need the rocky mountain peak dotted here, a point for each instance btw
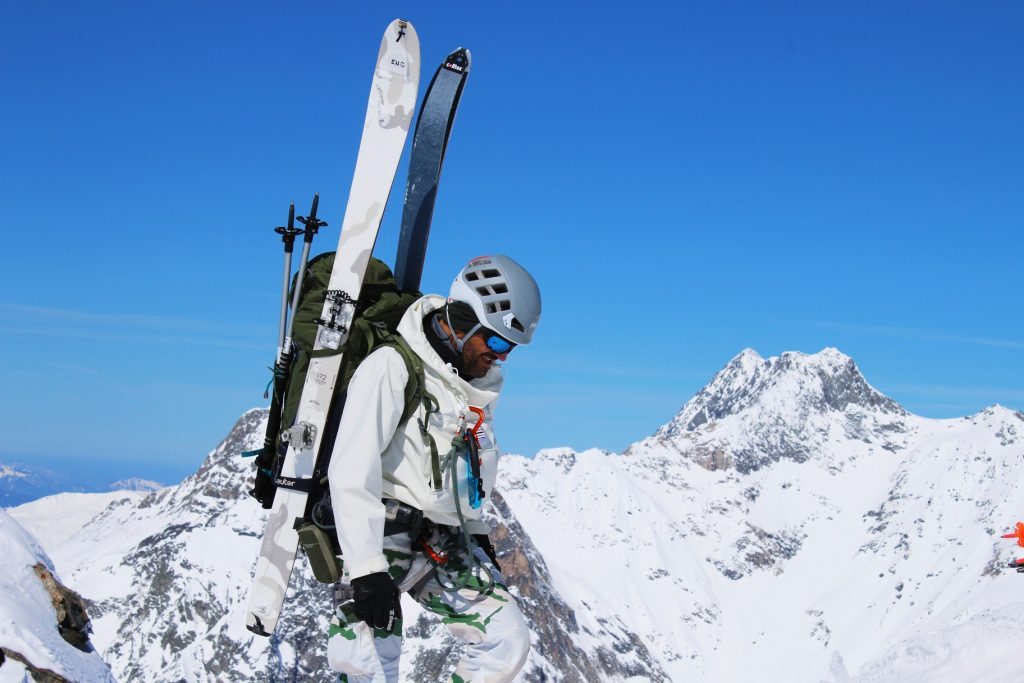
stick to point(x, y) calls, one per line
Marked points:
point(825, 381)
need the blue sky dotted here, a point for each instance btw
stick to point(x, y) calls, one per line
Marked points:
point(684, 180)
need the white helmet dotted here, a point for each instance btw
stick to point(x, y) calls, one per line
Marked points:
point(503, 295)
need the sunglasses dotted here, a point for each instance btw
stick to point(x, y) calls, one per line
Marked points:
point(495, 342)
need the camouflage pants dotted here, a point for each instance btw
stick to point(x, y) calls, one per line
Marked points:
point(489, 622)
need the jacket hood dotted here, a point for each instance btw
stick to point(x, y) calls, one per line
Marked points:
point(479, 392)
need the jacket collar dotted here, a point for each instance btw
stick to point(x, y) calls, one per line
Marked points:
point(478, 392)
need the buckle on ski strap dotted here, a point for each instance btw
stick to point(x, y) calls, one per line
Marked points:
point(334, 327)
point(300, 436)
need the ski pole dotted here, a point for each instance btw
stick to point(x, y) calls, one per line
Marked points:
point(263, 489)
point(287, 234)
point(312, 225)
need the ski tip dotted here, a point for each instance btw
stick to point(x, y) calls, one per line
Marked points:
point(401, 28)
point(458, 61)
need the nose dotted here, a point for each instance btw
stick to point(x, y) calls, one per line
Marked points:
point(502, 356)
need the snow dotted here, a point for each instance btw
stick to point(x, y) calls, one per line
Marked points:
point(136, 484)
point(790, 523)
point(54, 519)
point(985, 648)
point(27, 618)
point(14, 671)
point(857, 529)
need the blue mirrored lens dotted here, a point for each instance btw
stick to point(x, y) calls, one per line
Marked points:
point(499, 345)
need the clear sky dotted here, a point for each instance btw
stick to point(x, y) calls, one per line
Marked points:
point(684, 180)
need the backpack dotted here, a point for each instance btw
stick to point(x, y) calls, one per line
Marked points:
point(379, 309)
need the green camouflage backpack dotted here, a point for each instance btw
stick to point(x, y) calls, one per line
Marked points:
point(379, 309)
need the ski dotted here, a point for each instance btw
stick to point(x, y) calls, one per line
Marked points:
point(429, 142)
point(386, 127)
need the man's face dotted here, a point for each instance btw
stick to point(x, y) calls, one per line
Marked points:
point(477, 357)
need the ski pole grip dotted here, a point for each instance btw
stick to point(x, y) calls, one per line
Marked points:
point(312, 223)
point(288, 232)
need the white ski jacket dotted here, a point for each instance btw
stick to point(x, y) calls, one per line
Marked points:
point(375, 457)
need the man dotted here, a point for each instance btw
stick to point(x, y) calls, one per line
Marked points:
point(407, 496)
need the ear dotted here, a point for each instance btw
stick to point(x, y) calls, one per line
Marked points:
point(448, 331)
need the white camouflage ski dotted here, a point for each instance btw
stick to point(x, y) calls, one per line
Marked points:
point(388, 118)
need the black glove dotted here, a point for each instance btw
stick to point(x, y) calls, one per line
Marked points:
point(485, 544)
point(376, 600)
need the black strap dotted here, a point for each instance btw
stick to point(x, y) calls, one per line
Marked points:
point(304, 485)
point(407, 519)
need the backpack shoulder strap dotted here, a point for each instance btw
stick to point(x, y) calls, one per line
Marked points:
point(416, 387)
point(416, 395)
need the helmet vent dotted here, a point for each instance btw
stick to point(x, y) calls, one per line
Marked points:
point(516, 325)
point(498, 306)
point(491, 272)
point(492, 290)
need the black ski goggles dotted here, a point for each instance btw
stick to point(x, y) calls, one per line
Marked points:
point(495, 342)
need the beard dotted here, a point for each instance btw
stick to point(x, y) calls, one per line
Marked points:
point(478, 363)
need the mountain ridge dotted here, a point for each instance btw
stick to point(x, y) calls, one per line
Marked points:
point(21, 483)
point(807, 530)
point(836, 382)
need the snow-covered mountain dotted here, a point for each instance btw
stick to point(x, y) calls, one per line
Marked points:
point(793, 520)
point(54, 519)
point(20, 483)
point(168, 578)
point(136, 484)
point(43, 628)
point(790, 521)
